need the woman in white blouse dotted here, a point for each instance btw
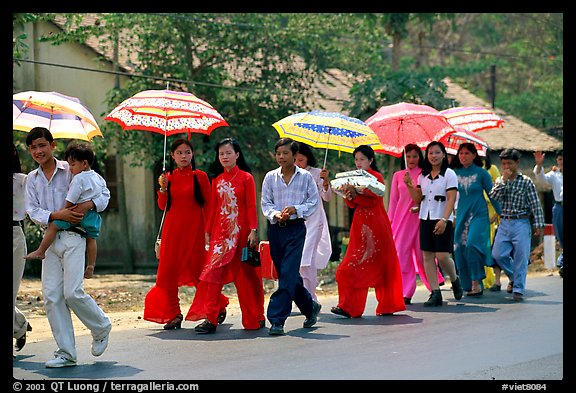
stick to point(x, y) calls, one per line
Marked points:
point(436, 193)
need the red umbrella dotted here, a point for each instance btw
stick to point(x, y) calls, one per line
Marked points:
point(167, 112)
point(403, 123)
point(453, 140)
point(472, 118)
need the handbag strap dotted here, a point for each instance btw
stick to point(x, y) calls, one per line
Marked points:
point(161, 223)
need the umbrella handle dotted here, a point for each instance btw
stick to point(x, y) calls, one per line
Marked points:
point(405, 159)
point(327, 143)
point(164, 156)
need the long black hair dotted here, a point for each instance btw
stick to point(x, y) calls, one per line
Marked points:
point(306, 151)
point(409, 147)
point(369, 153)
point(472, 149)
point(427, 166)
point(487, 160)
point(197, 192)
point(216, 167)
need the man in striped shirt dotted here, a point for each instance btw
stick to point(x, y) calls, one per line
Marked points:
point(519, 201)
point(289, 196)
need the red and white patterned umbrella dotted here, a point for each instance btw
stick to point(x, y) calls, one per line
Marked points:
point(453, 141)
point(167, 112)
point(472, 118)
point(400, 124)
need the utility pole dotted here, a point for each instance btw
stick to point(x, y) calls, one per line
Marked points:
point(493, 84)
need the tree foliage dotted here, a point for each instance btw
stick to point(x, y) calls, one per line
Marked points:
point(258, 68)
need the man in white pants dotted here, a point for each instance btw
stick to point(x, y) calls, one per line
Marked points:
point(19, 322)
point(63, 267)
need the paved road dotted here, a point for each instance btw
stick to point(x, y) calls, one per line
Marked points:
point(487, 338)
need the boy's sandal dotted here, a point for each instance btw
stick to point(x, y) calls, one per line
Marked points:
point(495, 288)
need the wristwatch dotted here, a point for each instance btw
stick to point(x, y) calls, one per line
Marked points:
point(443, 219)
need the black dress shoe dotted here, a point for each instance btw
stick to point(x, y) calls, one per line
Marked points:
point(205, 327)
point(176, 323)
point(276, 330)
point(435, 299)
point(309, 322)
point(339, 311)
point(221, 316)
point(20, 342)
point(457, 289)
point(407, 300)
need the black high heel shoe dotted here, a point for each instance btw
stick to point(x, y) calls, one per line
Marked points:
point(176, 323)
point(221, 316)
point(338, 311)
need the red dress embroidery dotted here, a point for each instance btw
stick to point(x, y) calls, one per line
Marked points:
point(232, 217)
point(234, 203)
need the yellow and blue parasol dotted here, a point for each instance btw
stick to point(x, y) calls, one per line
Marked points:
point(329, 130)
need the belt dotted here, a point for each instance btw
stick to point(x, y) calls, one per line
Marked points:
point(77, 230)
point(291, 222)
point(514, 216)
point(16, 223)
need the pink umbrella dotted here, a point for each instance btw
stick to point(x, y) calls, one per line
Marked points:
point(403, 123)
point(472, 118)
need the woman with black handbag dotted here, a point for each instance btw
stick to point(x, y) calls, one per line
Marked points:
point(232, 227)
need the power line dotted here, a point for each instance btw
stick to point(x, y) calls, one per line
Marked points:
point(131, 75)
point(164, 79)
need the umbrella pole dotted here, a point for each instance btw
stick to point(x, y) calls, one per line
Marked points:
point(405, 160)
point(165, 134)
point(164, 156)
point(326, 153)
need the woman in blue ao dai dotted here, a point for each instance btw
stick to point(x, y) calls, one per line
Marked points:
point(472, 230)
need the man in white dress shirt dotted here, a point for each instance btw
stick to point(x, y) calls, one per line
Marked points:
point(63, 266)
point(289, 196)
point(555, 178)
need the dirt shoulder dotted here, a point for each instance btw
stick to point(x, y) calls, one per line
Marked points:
point(121, 296)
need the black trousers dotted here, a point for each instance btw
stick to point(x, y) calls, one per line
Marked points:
point(286, 245)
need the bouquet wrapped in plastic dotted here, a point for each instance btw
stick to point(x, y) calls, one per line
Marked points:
point(358, 178)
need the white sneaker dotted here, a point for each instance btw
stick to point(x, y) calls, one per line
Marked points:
point(99, 346)
point(60, 361)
